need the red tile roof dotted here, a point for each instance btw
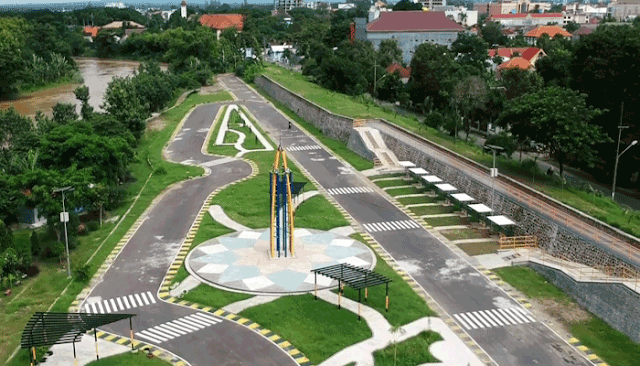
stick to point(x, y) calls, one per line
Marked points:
point(583, 31)
point(413, 21)
point(507, 52)
point(518, 62)
point(550, 30)
point(524, 15)
point(404, 72)
point(91, 31)
point(530, 53)
point(222, 21)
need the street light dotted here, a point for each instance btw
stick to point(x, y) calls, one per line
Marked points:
point(494, 171)
point(615, 170)
point(64, 217)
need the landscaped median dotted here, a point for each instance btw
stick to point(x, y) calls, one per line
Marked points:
point(316, 328)
point(51, 290)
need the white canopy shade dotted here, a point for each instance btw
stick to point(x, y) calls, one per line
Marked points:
point(462, 197)
point(431, 178)
point(418, 171)
point(480, 208)
point(406, 164)
point(501, 220)
point(446, 187)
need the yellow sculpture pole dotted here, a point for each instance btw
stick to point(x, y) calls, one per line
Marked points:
point(273, 203)
point(289, 204)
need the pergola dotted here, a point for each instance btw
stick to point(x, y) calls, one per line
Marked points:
point(47, 329)
point(355, 277)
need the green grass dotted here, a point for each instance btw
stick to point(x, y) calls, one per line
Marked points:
point(413, 351)
point(220, 149)
point(318, 213)
point(479, 248)
point(459, 234)
point(612, 346)
point(230, 137)
point(338, 147)
point(431, 210)
point(393, 183)
point(318, 329)
point(130, 359)
point(214, 297)
point(42, 291)
point(416, 200)
point(390, 175)
point(444, 221)
point(403, 191)
point(405, 305)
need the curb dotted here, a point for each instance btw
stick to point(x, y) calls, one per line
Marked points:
point(138, 345)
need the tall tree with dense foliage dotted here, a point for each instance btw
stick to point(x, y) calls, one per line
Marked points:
point(431, 67)
point(389, 53)
point(122, 101)
point(406, 5)
point(560, 119)
point(471, 50)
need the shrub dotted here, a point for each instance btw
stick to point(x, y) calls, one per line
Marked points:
point(161, 170)
point(32, 271)
point(35, 243)
point(93, 225)
point(82, 273)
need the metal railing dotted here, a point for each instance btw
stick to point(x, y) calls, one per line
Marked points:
point(518, 242)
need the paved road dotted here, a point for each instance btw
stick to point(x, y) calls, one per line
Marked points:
point(505, 330)
point(137, 273)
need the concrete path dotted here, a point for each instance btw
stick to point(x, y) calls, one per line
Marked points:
point(450, 351)
point(85, 351)
point(224, 128)
point(239, 306)
point(343, 230)
point(217, 213)
point(185, 286)
point(297, 200)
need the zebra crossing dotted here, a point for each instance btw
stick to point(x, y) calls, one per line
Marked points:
point(349, 190)
point(390, 226)
point(120, 303)
point(493, 318)
point(178, 327)
point(303, 147)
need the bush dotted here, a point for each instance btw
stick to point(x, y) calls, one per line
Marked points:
point(504, 140)
point(35, 243)
point(82, 273)
point(93, 225)
point(161, 170)
point(434, 119)
point(251, 72)
point(32, 271)
point(53, 249)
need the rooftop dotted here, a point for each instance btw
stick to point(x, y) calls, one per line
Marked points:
point(550, 30)
point(413, 21)
point(223, 21)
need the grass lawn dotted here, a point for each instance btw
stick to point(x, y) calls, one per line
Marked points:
point(318, 213)
point(405, 305)
point(431, 210)
point(230, 137)
point(479, 248)
point(130, 359)
point(338, 147)
point(357, 107)
point(459, 234)
point(318, 329)
point(403, 191)
point(214, 297)
point(390, 175)
point(220, 149)
point(413, 351)
point(393, 183)
point(612, 346)
point(444, 221)
point(416, 200)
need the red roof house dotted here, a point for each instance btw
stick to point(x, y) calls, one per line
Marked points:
point(413, 21)
point(530, 54)
point(220, 22)
point(91, 31)
point(405, 72)
point(516, 62)
point(550, 30)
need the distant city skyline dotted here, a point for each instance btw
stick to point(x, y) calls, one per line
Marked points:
point(94, 3)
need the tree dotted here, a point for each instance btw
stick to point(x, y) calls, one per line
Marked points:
point(558, 118)
point(388, 53)
point(432, 67)
point(107, 42)
point(492, 34)
point(64, 113)
point(555, 68)
point(572, 27)
point(469, 94)
point(471, 50)
point(13, 33)
point(518, 82)
point(82, 94)
point(122, 101)
point(406, 5)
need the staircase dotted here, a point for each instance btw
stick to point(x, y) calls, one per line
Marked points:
point(384, 158)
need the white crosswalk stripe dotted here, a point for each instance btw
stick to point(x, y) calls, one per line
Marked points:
point(178, 327)
point(390, 225)
point(120, 303)
point(493, 318)
point(303, 147)
point(348, 190)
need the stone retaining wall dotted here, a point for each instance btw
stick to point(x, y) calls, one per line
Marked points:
point(615, 303)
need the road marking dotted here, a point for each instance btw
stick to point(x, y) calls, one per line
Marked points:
point(348, 190)
point(390, 225)
point(100, 308)
point(303, 147)
point(138, 298)
point(151, 297)
point(133, 301)
point(178, 327)
point(144, 297)
point(493, 318)
point(121, 303)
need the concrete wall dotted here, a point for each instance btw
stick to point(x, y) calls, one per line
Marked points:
point(615, 303)
point(357, 145)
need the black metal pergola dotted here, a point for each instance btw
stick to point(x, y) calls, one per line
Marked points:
point(357, 278)
point(47, 329)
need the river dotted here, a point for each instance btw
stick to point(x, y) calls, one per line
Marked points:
point(97, 74)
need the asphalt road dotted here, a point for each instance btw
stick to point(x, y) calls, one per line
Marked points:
point(506, 331)
point(136, 275)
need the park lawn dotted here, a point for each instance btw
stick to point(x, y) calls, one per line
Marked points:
point(389, 175)
point(44, 292)
point(612, 346)
point(405, 305)
point(444, 221)
point(231, 137)
point(403, 191)
point(318, 213)
point(431, 210)
point(393, 183)
point(214, 297)
point(417, 200)
point(460, 234)
point(413, 351)
point(338, 147)
point(130, 359)
point(317, 328)
point(479, 248)
point(212, 148)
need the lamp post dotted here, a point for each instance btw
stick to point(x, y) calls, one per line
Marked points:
point(615, 170)
point(494, 171)
point(64, 217)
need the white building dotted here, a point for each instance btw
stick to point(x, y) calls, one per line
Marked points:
point(183, 9)
point(346, 6)
point(430, 4)
point(275, 53)
point(460, 15)
point(289, 4)
point(118, 5)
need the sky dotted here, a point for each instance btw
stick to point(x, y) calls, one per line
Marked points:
point(127, 3)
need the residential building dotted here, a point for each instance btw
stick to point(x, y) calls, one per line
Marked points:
point(530, 54)
point(430, 4)
point(516, 62)
point(117, 5)
point(624, 10)
point(90, 33)
point(584, 30)
point(511, 7)
point(576, 17)
point(405, 72)
point(346, 6)
point(275, 52)
point(529, 19)
point(285, 5)
point(220, 22)
point(550, 30)
point(119, 23)
point(459, 14)
point(412, 28)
